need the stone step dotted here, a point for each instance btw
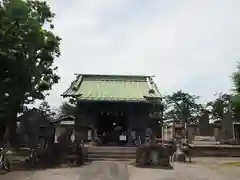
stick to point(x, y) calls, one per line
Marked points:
point(206, 142)
point(110, 149)
point(109, 155)
point(110, 159)
point(112, 153)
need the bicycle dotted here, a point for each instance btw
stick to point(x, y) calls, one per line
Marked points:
point(33, 156)
point(4, 161)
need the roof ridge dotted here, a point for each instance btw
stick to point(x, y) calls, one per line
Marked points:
point(119, 75)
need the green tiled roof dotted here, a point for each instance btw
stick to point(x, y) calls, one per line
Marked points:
point(113, 88)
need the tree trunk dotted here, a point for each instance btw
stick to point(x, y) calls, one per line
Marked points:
point(12, 126)
point(10, 119)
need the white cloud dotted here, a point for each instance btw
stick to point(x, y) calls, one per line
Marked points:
point(189, 45)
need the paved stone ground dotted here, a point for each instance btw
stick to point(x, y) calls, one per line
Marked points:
point(94, 171)
point(201, 169)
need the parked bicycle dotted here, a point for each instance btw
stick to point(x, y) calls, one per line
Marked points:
point(33, 156)
point(4, 161)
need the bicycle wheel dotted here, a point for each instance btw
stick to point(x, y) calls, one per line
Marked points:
point(33, 158)
point(6, 164)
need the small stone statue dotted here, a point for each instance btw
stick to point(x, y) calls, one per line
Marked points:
point(182, 152)
point(179, 155)
point(186, 148)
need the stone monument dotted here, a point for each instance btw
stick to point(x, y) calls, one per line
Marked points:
point(206, 129)
point(206, 135)
point(227, 126)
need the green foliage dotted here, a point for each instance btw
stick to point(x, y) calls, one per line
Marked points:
point(223, 103)
point(45, 108)
point(220, 105)
point(236, 111)
point(68, 109)
point(236, 80)
point(28, 48)
point(181, 106)
point(236, 96)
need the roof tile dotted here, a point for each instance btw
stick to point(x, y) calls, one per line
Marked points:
point(117, 88)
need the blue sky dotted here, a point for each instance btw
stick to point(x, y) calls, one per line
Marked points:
point(191, 45)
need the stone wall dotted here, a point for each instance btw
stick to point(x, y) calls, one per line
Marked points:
point(215, 150)
point(193, 130)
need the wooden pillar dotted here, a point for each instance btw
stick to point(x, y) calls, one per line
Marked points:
point(129, 130)
point(143, 134)
point(94, 134)
point(129, 137)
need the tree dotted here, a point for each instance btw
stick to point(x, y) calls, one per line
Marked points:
point(236, 80)
point(220, 105)
point(236, 110)
point(223, 103)
point(68, 109)
point(181, 106)
point(236, 95)
point(27, 53)
point(45, 108)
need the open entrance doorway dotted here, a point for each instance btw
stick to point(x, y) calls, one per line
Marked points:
point(237, 132)
point(110, 127)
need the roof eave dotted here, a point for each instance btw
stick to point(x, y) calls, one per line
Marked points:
point(112, 100)
point(153, 97)
point(71, 95)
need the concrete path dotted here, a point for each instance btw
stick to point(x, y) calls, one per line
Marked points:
point(94, 171)
point(202, 169)
point(180, 172)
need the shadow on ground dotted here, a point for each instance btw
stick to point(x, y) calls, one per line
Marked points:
point(25, 166)
point(152, 166)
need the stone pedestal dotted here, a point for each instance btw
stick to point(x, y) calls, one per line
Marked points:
point(180, 156)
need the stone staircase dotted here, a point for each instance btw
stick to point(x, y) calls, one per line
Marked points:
point(109, 153)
